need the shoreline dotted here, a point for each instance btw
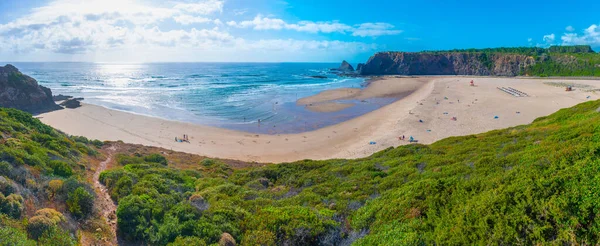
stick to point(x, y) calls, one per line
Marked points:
point(475, 112)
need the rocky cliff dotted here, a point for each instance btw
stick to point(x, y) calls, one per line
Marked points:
point(432, 63)
point(23, 92)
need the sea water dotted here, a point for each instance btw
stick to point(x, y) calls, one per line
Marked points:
point(229, 95)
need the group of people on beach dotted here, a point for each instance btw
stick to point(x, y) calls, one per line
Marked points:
point(184, 139)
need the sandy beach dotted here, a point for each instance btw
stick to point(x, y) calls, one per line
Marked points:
point(426, 114)
point(327, 101)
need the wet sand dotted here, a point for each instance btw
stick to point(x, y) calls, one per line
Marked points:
point(386, 87)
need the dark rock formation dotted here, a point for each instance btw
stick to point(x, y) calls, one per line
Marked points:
point(318, 76)
point(23, 92)
point(61, 97)
point(71, 103)
point(411, 63)
point(345, 67)
point(359, 67)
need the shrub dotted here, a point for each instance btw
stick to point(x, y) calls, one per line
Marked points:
point(207, 162)
point(259, 238)
point(44, 220)
point(187, 241)
point(97, 143)
point(54, 186)
point(156, 158)
point(122, 188)
point(6, 187)
point(14, 237)
point(80, 202)
point(12, 205)
point(125, 159)
point(5, 168)
point(61, 168)
point(56, 237)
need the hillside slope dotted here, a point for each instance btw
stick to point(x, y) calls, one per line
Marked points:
point(45, 197)
point(528, 184)
point(554, 61)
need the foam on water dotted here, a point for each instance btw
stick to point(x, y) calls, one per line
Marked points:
point(231, 95)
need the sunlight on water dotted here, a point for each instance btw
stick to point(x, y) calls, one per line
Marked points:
point(232, 95)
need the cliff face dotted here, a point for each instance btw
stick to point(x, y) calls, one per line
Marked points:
point(411, 63)
point(23, 92)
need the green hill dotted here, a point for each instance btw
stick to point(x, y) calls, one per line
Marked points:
point(530, 184)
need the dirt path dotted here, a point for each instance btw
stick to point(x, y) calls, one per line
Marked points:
point(106, 204)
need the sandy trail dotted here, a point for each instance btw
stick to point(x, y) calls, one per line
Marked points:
point(106, 204)
point(435, 102)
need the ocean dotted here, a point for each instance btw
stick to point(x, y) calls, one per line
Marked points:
point(228, 95)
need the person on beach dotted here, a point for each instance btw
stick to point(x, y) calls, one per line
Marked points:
point(176, 139)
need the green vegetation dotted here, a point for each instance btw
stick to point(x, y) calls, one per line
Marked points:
point(40, 167)
point(531, 184)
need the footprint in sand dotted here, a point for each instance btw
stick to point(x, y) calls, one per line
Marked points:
point(286, 139)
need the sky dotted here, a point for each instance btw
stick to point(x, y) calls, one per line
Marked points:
point(281, 30)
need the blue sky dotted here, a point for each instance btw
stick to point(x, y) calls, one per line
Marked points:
point(280, 30)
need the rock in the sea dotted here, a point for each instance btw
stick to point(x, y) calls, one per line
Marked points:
point(345, 67)
point(61, 97)
point(318, 76)
point(22, 92)
point(71, 103)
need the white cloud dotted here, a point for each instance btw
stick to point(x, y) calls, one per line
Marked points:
point(375, 29)
point(362, 30)
point(590, 36)
point(549, 39)
point(203, 7)
point(85, 30)
point(315, 27)
point(260, 23)
point(240, 11)
point(188, 19)
point(570, 29)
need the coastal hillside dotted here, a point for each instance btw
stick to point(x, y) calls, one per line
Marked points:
point(553, 61)
point(22, 92)
point(528, 184)
point(45, 194)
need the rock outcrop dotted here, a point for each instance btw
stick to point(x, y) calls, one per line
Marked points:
point(22, 92)
point(426, 63)
point(71, 103)
point(359, 67)
point(61, 97)
point(345, 67)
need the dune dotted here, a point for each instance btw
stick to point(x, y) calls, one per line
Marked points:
point(425, 112)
